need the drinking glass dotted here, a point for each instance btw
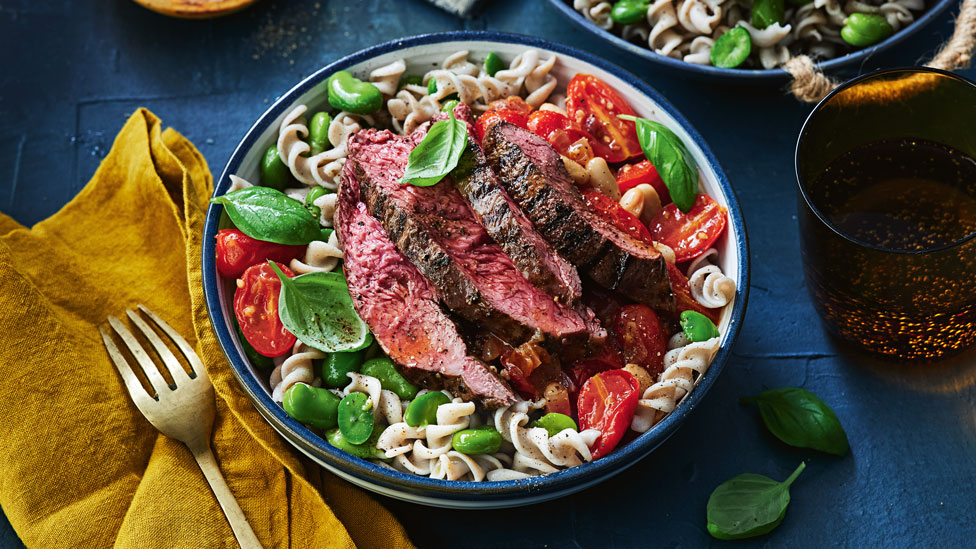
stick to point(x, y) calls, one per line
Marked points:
point(917, 304)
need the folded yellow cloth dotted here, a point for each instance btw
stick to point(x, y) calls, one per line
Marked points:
point(80, 465)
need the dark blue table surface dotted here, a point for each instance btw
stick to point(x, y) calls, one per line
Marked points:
point(73, 72)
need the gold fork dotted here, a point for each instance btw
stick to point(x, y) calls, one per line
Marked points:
point(183, 410)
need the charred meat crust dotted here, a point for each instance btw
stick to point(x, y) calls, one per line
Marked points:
point(534, 176)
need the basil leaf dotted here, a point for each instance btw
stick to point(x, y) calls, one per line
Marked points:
point(317, 308)
point(671, 159)
point(797, 417)
point(270, 215)
point(437, 154)
point(748, 505)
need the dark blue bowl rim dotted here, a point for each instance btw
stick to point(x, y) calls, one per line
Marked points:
point(562, 481)
point(755, 75)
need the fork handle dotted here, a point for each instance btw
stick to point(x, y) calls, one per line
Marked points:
point(235, 516)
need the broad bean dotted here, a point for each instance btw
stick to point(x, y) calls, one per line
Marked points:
point(493, 63)
point(555, 423)
point(311, 405)
point(355, 417)
point(697, 326)
point(391, 380)
point(479, 440)
point(274, 171)
point(366, 450)
point(865, 29)
point(348, 93)
point(318, 132)
point(423, 409)
point(337, 365)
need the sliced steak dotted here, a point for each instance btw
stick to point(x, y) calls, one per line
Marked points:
point(534, 176)
point(508, 226)
point(434, 227)
point(402, 309)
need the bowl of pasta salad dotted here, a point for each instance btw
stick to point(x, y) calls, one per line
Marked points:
point(752, 39)
point(474, 269)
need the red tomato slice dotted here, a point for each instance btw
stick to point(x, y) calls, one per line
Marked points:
point(490, 118)
point(256, 308)
point(641, 337)
point(683, 300)
point(594, 107)
point(616, 215)
point(236, 252)
point(607, 403)
point(691, 233)
point(632, 175)
point(513, 103)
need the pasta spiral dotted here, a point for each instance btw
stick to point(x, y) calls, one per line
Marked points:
point(535, 451)
point(297, 368)
point(711, 288)
point(320, 256)
point(596, 12)
point(324, 168)
point(386, 404)
point(683, 367)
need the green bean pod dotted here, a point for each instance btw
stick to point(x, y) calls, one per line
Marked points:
point(391, 380)
point(337, 365)
point(479, 440)
point(366, 450)
point(348, 93)
point(311, 405)
point(318, 132)
point(274, 171)
point(423, 409)
point(697, 327)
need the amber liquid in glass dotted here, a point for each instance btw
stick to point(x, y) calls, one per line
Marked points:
point(910, 292)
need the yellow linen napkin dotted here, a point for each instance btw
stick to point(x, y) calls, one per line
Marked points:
point(79, 465)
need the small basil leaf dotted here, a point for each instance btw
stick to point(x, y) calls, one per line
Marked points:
point(797, 417)
point(748, 505)
point(270, 215)
point(437, 154)
point(318, 309)
point(671, 159)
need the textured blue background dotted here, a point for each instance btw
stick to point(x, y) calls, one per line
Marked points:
point(73, 72)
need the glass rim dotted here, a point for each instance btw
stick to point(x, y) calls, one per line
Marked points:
point(799, 142)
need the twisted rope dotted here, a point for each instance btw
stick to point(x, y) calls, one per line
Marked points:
point(811, 85)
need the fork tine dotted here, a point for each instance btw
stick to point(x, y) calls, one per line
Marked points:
point(173, 365)
point(191, 356)
point(152, 373)
point(132, 383)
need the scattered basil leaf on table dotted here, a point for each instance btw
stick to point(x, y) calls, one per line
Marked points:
point(748, 505)
point(732, 48)
point(317, 308)
point(671, 159)
point(437, 154)
point(797, 417)
point(270, 215)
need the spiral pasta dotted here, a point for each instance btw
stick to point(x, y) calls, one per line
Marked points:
point(711, 288)
point(297, 368)
point(683, 367)
point(387, 78)
point(687, 29)
point(535, 451)
point(324, 168)
point(320, 256)
point(386, 404)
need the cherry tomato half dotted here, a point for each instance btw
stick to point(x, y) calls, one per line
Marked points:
point(256, 308)
point(513, 103)
point(683, 300)
point(236, 252)
point(691, 233)
point(594, 107)
point(561, 132)
point(611, 211)
point(607, 402)
point(490, 118)
point(641, 337)
point(632, 175)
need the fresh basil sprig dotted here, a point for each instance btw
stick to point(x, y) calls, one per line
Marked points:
point(317, 308)
point(748, 505)
point(437, 154)
point(270, 215)
point(671, 159)
point(797, 417)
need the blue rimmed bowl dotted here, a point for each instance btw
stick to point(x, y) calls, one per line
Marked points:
point(421, 53)
point(849, 61)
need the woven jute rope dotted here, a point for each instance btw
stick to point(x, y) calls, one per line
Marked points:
point(811, 85)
